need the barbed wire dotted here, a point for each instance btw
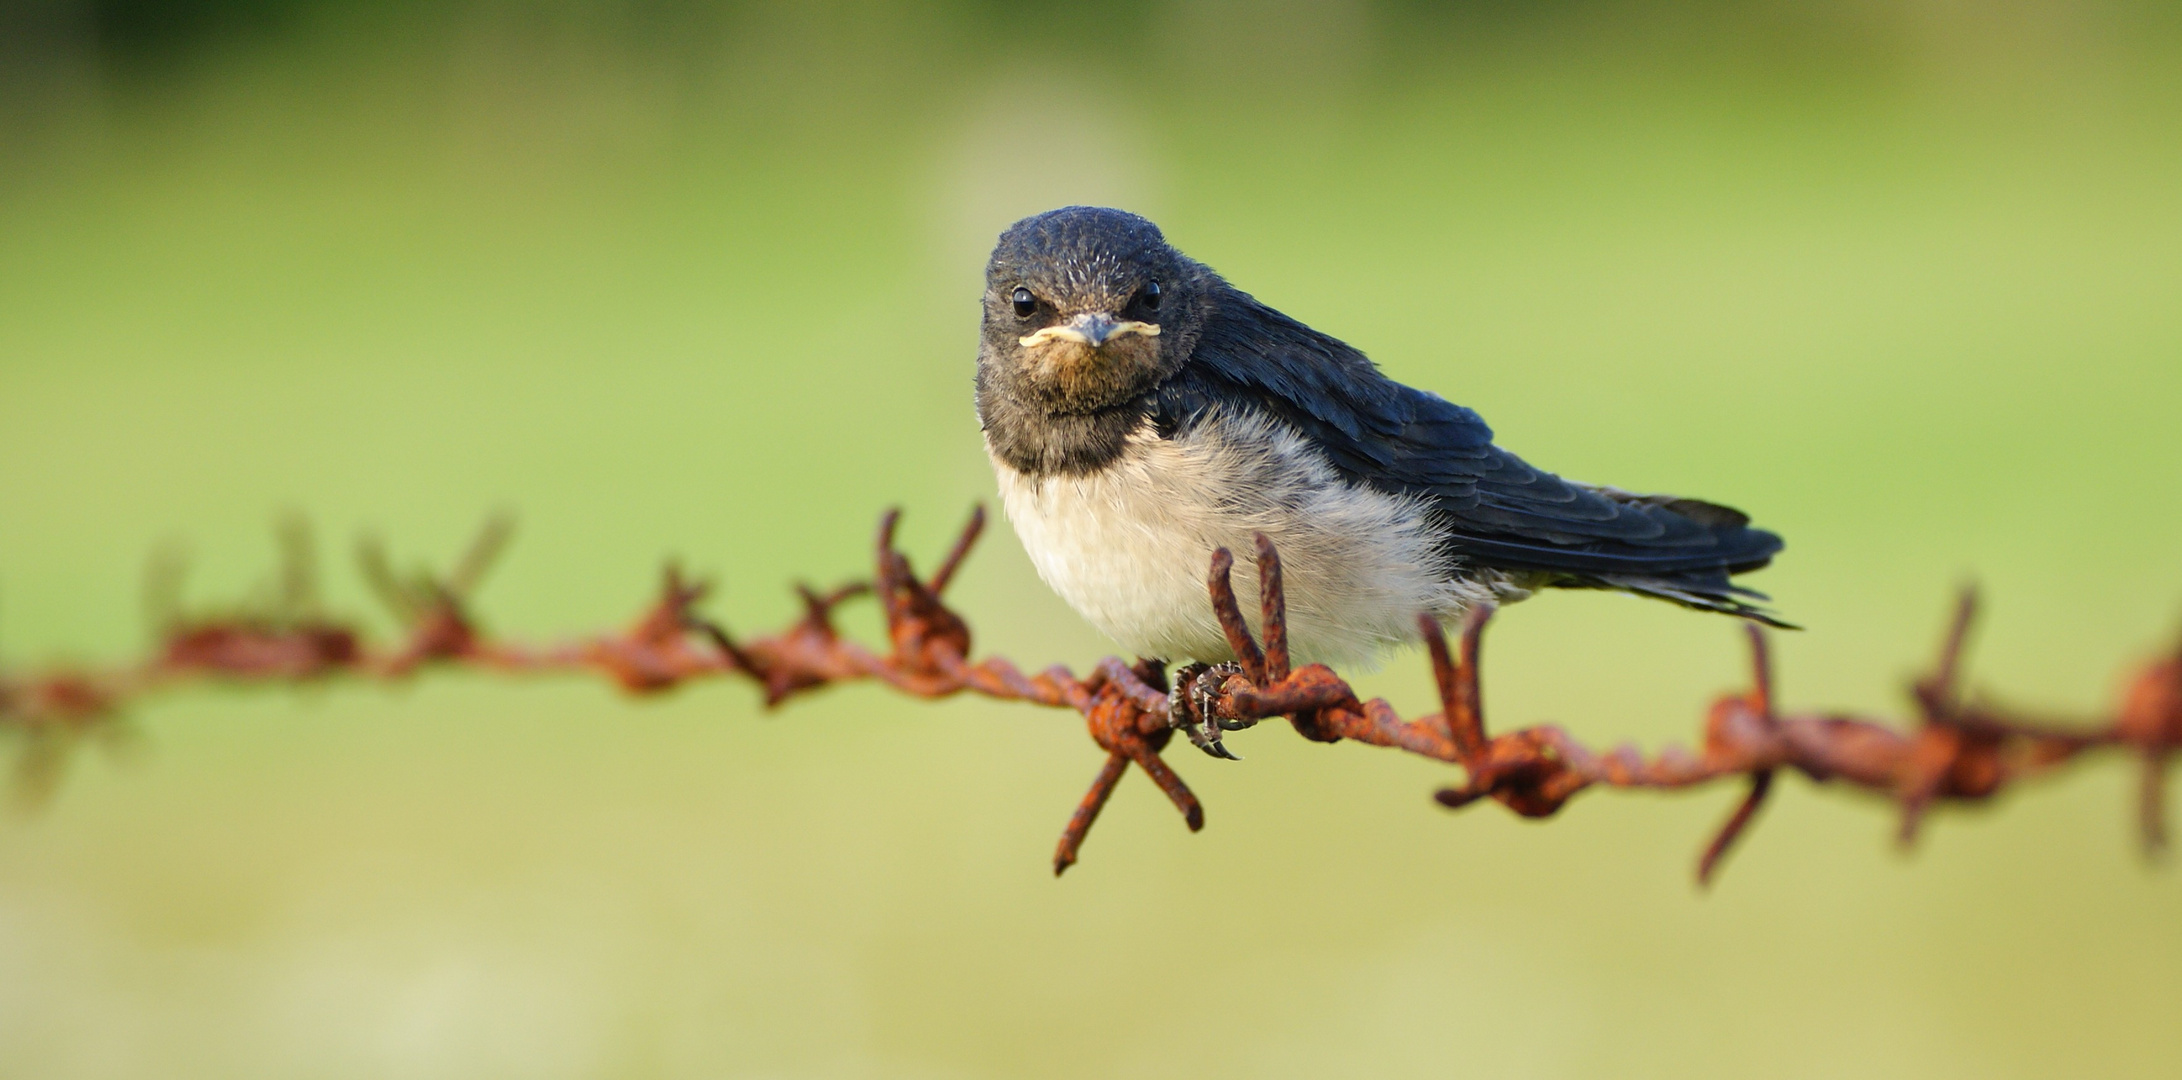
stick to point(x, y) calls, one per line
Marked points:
point(1955, 748)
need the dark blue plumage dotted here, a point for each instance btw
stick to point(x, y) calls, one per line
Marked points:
point(1499, 510)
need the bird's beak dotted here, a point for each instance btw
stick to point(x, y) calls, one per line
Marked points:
point(1094, 328)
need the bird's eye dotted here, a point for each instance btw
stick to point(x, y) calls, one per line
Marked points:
point(1026, 305)
point(1151, 295)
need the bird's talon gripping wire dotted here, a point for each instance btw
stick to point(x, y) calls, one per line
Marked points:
point(1190, 707)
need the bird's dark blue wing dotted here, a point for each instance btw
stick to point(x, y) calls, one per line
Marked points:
point(1499, 510)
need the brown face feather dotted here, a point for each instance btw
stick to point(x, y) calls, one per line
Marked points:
point(1063, 371)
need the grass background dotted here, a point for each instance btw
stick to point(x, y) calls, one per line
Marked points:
point(674, 279)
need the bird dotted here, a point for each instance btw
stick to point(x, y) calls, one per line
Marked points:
point(1141, 412)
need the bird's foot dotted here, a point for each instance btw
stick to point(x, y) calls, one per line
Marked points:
point(1190, 707)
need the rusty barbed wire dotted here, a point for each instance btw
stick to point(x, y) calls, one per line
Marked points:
point(1955, 750)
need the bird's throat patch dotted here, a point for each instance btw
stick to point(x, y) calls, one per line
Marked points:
point(1076, 376)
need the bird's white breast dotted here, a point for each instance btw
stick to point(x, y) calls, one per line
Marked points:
point(1128, 544)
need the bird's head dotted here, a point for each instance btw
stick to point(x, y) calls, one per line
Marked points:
point(1086, 307)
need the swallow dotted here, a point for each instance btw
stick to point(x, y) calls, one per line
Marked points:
point(1141, 412)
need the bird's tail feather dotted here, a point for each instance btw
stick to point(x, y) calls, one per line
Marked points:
point(1703, 595)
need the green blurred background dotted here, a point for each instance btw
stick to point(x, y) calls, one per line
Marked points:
point(1901, 277)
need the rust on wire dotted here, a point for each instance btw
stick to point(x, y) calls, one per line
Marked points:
point(1957, 750)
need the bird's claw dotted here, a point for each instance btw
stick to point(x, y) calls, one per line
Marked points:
point(1190, 707)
